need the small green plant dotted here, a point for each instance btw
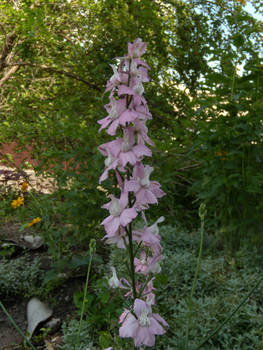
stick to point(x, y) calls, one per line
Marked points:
point(102, 308)
point(20, 276)
point(71, 333)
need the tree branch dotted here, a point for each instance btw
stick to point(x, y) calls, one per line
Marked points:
point(54, 70)
point(7, 48)
point(8, 75)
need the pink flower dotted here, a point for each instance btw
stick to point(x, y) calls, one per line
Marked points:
point(119, 214)
point(137, 48)
point(135, 91)
point(137, 72)
point(141, 129)
point(146, 236)
point(146, 191)
point(118, 77)
point(118, 238)
point(118, 115)
point(125, 149)
point(154, 228)
point(142, 111)
point(145, 264)
point(144, 326)
point(110, 164)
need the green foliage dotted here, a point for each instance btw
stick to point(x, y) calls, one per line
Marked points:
point(229, 147)
point(54, 97)
point(102, 308)
point(70, 335)
point(20, 276)
point(222, 282)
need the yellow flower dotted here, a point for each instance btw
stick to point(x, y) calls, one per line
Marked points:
point(34, 221)
point(14, 204)
point(24, 186)
point(243, 2)
point(20, 201)
point(222, 154)
point(17, 202)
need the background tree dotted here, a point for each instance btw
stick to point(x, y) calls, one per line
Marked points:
point(54, 60)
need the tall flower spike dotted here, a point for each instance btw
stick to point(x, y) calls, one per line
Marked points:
point(127, 114)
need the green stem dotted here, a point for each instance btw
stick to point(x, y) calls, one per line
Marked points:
point(132, 267)
point(137, 248)
point(84, 299)
point(233, 83)
point(190, 303)
point(143, 287)
point(36, 201)
point(230, 315)
point(16, 326)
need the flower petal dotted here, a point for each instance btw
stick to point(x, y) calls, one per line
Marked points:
point(129, 327)
point(127, 216)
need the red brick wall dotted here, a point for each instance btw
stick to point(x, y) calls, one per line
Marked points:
point(18, 157)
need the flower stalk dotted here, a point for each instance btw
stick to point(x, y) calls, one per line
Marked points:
point(10, 318)
point(202, 213)
point(127, 116)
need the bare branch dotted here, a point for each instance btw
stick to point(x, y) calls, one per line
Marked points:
point(54, 70)
point(189, 167)
point(7, 48)
point(2, 29)
point(8, 75)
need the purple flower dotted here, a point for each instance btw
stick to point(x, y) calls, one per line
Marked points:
point(137, 48)
point(146, 191)
point(147, 264)
point(125, 149)
point(119, 214)
point(118, 115)
point(118, 77)
point(143, 326)
point(118, 238)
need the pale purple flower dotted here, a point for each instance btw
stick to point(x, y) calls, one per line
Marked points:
point(144, 326)
point(119, 214)
point(118, 77)
point(142, 111)
point(110, 163)
point(128, 111)
point(138, 73)
point(135, 91)
point(114, 281)
point(141, 129)
point(119, 238)
point(147, 264)
point(118, 115)
point(146, 236)
point(125, 149)
point(154, 228)
point(146, 191)
point(137, 48)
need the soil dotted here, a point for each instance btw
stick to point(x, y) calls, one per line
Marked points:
point(61, 300)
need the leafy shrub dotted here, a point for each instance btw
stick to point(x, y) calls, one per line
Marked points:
point(228, 145)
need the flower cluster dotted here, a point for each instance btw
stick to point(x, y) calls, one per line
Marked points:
point(17, 202)
point(127, 114)
point(34, 221)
